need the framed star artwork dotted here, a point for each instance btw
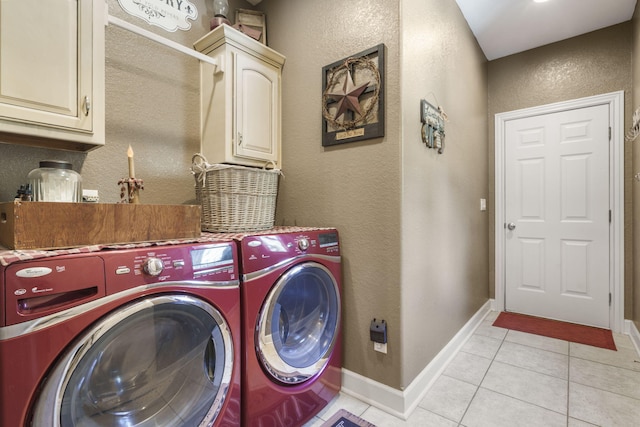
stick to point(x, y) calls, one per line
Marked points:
point(353, 98)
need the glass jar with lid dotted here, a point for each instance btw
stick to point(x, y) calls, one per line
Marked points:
point(55, 181)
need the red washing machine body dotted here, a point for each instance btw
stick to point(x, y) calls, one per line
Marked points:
point(136, 337)
point(291, 313)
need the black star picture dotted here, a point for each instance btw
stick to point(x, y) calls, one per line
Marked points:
point(353, 98)
point(348, 96)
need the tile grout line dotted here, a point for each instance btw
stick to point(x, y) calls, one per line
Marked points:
point(568, 379)
point(530, 369)
point(519, 367)
point(606, 364)
point(481, 381)
point(609, 365)
point(617, 393)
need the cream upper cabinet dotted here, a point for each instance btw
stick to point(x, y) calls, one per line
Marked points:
point(240, 99)
point(52, 73)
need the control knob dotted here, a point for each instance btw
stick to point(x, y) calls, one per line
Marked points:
point(152, 266)
point(303, 244)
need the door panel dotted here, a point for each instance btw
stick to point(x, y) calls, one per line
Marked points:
point(257, 122)
point(557, 200)
point(298, 324)
point(165, 360)
point(44, 48)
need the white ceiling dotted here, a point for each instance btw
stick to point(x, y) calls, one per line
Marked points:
point(505, 27)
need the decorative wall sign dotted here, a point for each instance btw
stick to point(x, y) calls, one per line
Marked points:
point(353, 98)
point(168, 14)
point(432, 125)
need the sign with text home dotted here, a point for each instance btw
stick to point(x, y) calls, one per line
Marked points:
point(168, 14)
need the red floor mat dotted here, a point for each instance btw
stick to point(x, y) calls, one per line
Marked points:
point(588, 335)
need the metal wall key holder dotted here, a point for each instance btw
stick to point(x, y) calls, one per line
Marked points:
point(432, 125)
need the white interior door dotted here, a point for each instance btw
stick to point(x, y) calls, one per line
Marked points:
point(557, 215)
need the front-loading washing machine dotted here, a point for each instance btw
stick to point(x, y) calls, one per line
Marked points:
point(291, 316)
point(128, 337)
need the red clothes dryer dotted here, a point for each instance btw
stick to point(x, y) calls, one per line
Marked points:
point(128, 337)
point(291, 314)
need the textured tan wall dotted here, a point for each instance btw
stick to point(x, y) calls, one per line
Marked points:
point(591, 64)
point(355, 186)
point(445, 277)
point(414, 241)
point(635, 292)
point(152, 103)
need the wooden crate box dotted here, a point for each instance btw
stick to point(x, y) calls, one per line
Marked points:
point(53, 225)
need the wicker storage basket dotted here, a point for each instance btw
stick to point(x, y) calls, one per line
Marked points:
point(235, 198)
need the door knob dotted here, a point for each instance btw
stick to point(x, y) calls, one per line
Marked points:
point(511, 226)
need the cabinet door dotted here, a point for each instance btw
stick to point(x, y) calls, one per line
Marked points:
point(46, 63)
point(257, 109)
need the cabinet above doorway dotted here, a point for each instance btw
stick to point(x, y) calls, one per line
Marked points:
point(52, 73)
point(240, 100)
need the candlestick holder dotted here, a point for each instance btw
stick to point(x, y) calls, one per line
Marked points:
point(129, 190)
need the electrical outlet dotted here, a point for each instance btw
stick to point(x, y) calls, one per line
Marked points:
point(382, 348)
point(90, 196)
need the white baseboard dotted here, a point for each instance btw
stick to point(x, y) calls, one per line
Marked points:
point(382, 396)
point(402, 403)
point(634, 334)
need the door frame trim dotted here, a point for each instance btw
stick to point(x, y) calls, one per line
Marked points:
point(615, 101)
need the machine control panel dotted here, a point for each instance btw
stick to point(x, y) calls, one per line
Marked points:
point(39, 287)
point(153, 266)
point(211, 262)
point(260, 251)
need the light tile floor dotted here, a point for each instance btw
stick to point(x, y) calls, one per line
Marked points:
point(509, 378)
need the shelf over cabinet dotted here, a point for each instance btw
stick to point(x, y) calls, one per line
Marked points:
point(240, 106)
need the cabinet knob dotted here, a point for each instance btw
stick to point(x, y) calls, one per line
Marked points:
point(86, 105)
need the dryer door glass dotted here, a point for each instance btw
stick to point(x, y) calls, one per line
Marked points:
point(299, 323)
point(163, 361)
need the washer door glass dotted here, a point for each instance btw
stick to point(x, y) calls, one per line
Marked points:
point(299, 323)
point(163, 361)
